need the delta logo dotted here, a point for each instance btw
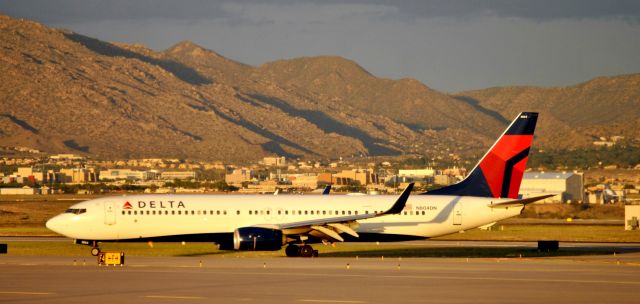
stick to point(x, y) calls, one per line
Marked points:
point(127, 205)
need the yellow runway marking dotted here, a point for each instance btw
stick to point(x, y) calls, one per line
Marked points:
point(175, 297)
point(329, 301)
point(26, 293)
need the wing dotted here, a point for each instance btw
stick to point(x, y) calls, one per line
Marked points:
point(331, 228)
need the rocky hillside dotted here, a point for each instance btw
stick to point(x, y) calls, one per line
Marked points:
point(571, 116)
point(65, 92)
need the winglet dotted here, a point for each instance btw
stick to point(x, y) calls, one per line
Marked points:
point(400, 202)
point(326, 190)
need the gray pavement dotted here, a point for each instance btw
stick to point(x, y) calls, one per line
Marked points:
point(593, 279)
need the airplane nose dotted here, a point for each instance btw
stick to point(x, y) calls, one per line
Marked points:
point(53, 224)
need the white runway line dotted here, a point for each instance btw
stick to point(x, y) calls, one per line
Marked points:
point(175, 297)
point(26, 293)
point(329, 301)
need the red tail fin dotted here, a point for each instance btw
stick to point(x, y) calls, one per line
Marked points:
point(499, 172)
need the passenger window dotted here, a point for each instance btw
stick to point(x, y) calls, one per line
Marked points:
point(306, 212)
point(349, 212)
point(286, 212)
point(250, 212)
point(218, 212)
point(122, 212)
point(342, 212)
point(324, 212)
point(179, 212)
point(193, 212)
point(356, 212)
point(173, 212)
point(238, 212)
point(135, 212)
point(268, 212)
point(311, 212)
point(129, 212)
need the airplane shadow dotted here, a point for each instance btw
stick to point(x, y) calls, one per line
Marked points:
point(440, 252)
point(480, 252)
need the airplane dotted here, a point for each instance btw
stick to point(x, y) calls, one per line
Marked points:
point(267, 222)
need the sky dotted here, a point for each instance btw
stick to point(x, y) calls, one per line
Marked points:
point(449, 45)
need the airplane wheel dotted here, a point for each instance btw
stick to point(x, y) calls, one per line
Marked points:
point(315, 254)
point(95, 251)
point(292, 251)
point(306, 251)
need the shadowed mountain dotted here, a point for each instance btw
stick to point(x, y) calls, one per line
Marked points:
point(181, 71)
point(65, 92)
point(330, 125)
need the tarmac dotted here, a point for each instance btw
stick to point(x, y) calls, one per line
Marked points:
point(583, 279)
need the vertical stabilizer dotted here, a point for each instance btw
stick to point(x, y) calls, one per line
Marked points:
point(499, 172)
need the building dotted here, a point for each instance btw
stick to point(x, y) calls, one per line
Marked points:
point(171, 175)
point(304, 181)
point(632, 217)
point(275, 161)
point(26, 190)
point(80, 175)
point(238, 176)
point(355, 177)
point(66, 157)
point(568, 185)
point(417, 173)
point(115, 174)
point(444, 180)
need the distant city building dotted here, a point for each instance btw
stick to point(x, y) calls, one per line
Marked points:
point(115, 174)
point(355, 176)
point(304, 181)
point(444, 180)
point(417, 173)
point(632, 217)
point(170, 175)
point(568, 186)
point(238, 176)
point(80, 175)
point(26, 190)
point(66, 157)
point(275, 161)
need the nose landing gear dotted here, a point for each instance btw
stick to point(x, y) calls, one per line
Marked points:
point(95, 250)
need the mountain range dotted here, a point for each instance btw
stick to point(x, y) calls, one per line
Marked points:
point(65, 92)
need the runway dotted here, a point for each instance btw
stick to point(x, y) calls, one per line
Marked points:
point(321, 280)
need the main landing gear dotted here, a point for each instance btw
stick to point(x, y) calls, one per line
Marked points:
point(305, 251)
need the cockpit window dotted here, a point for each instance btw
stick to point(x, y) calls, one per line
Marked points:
point(76, 211)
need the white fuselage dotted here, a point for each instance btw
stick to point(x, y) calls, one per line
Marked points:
point(153, 216)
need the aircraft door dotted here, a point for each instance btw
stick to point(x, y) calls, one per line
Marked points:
point(457, 213)
point(109, 213)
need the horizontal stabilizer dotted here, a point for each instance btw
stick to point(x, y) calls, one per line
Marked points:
point(520, 202)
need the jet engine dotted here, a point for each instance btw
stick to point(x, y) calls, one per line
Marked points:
point(257, 238)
